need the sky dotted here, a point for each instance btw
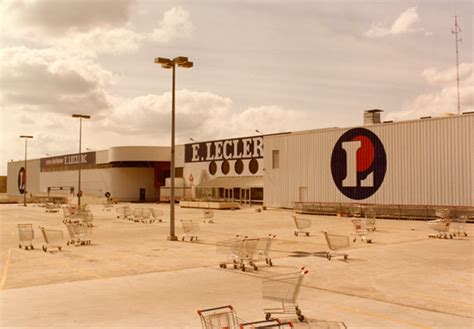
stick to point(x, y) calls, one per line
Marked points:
point(272, 66)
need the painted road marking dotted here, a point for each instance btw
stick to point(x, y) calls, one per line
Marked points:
point(5, 270)
point(381, 316)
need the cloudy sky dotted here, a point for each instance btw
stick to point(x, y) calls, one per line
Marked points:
point(267, 65)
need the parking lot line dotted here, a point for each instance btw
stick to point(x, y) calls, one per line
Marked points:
point(444, 300)
point(5, 270)
point(379, 316)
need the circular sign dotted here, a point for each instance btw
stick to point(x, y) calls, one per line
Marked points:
point(107, 195)
point(212, 168)
point(225, 167)
point(253, 166)
point(22, 180)
point(358, 163)
point(239, 166)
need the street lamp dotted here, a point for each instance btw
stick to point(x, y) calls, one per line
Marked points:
point(167, 63)
point(23, 179)
point(79, 192)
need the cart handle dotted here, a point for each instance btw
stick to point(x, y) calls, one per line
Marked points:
point(215, 308)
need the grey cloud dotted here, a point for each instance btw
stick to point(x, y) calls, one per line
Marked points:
point(58, 16)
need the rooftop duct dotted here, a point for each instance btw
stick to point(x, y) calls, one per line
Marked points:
point(372, 117)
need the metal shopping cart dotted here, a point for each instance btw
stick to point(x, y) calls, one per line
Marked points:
point(155, 215)
point(335, 243)
point(52, 238)
point(124, 212)
point(263, 249)
point(457, 226)
point(283, 288)
point(79, 234)
point(26, 234)
point(223, 317)
point(146, 216)
point(272, 323)
point(208, 215)
point(239, 251)
point(442, 224)
point(301, 225)
point(360, 230)
point(369, 214)
point(137, 215)
point(190, 228)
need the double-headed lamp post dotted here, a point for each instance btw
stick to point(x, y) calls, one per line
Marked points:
point(26, 137)
point(79, 192)
point(167, 63)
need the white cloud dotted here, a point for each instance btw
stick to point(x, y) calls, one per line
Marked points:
point(437, 77)
point(403, 24)
point(175, 24)
point(47, 80)
point(444, 100)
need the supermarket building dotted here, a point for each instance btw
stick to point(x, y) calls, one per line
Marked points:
point(429, 161)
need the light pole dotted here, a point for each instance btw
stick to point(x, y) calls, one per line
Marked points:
point(79, 192)
point(26, 137)
point(167, 63)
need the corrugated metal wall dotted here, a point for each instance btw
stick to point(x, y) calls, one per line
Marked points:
point(429, 162)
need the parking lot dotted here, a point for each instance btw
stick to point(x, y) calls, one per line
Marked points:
point(132, 276)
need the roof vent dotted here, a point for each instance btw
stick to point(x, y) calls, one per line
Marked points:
point(372, 117)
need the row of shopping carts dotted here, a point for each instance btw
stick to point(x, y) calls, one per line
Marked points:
point(79, 234)
point(74, 214)
point(446, 227)
point(242, 251)
point(139, 215)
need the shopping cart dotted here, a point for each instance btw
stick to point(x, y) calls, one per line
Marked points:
point(79, 234)
point(155, 214)
point(370, 219)
point(442, 227)
point(457, 226)
point(335, 243)
point(190, 228)
point(52, 238)
point(442, 224)
point(263, 249)
point(301, 225)
point(124, 212)
point(146, 216)
point(26, 235)
point(283, 288)
point(108, 205)
point(272, 323)
point(223, 317)
point(360, 230)
point(51, 207)
point(137, 215)
point(239, 251)
point(208, 215)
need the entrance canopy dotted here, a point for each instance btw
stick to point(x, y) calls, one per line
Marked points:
point(234, 182)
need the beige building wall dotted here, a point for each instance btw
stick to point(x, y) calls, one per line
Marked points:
point(126, 183)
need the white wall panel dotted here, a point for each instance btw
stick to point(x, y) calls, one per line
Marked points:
point(429, 162)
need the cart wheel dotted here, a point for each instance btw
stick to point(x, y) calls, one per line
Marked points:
point(19, 246)
point(67, 243)
point(268, 316)
point(195, 238)
point(301, 317)
point(270, 262)
point(346, 256)
point(243, 268)
point(296, 233)
point(465, 234)
point(191, 239)
point(235, 266)
point(307, 233)
point(328, 256)
point(222, 265)
point(255, 267)
point(355, 239)
point(45, 248)
point(450, 236)
point(298, 311)
point(182, 239)
point(31, 247)
point(59, 248)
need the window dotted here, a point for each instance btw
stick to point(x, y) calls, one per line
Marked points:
point(275, 159)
